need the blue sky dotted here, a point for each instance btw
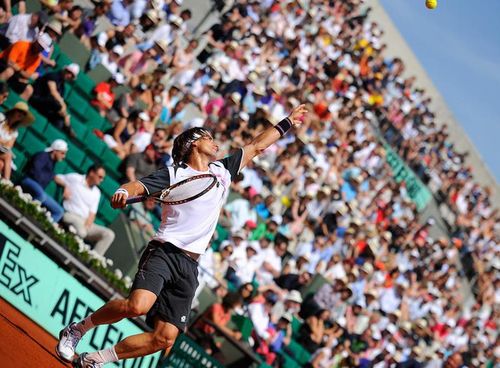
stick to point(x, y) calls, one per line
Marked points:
point(459, 46)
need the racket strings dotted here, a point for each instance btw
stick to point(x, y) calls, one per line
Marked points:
point(188, 190)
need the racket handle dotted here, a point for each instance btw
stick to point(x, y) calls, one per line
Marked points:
point(135, 199)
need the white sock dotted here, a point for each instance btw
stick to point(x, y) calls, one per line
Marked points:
point(85, 325)
point(104, 356)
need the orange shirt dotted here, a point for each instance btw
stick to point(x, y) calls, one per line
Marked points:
point(20, 54)
point(217, 308)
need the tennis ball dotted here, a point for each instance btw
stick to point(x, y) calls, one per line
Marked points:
point(431, 4)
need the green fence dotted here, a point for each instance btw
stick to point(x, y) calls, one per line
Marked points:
point(188, 354)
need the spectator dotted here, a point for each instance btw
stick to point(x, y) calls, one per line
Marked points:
point(13, 119)
point(135, 64)
point(4, 93)
point(125, 104)
point(141, 164)
point(293, 281)
point(72, 21)
point(259, 310)
point(81, 201)
point(54, 30)
point(48, 96)
point(6, 9)
point(91, 20)
point(40, 172)
point(23, 27)
point(104, 95)
point(110, 59)
point(119, 13)
point(220, 315)
point(119, 138)
point(19, 62)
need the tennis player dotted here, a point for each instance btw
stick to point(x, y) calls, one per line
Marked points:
point(165, 283)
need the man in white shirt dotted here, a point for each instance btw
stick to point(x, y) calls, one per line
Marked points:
point(24, 27)
point(166, 281)
point(81, 201)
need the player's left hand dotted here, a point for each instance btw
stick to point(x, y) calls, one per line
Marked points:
point(297, 115)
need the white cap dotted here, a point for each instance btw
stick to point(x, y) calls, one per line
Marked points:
point(244, 115)
point(144, 116)
point(277, 219)
point(44, 41)
point(58, 145)
point(73, 68)
point(118, 50)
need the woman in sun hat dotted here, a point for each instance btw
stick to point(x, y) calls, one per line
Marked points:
point(13, 119)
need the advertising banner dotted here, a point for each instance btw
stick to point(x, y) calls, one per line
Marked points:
point(418, 192)
point(51, 297)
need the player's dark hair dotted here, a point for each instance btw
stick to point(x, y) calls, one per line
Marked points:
point(183, 143)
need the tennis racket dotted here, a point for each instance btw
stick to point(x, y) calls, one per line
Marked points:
point(182, 192)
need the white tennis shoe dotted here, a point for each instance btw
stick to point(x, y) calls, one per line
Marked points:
point(83, 362)
point(68, 339)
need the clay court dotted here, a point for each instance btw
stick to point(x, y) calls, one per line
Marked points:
point(23, 343)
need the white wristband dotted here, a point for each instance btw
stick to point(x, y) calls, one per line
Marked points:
point(123, 191)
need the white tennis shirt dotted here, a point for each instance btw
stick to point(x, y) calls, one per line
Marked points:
point(190, 225)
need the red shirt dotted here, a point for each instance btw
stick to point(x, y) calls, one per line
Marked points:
point(104, 89)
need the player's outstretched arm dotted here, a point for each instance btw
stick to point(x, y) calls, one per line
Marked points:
point(272, 134)
point(131, 189)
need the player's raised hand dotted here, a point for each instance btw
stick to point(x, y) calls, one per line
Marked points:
point(297, 115)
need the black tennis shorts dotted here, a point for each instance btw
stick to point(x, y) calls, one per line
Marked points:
point(172, 275)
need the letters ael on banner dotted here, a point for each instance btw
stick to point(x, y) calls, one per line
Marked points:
point(51, 297)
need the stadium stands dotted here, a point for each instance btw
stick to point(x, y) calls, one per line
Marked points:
point(324, 215)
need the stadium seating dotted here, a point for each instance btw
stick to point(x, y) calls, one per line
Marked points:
point(299, 353)
point(71, 45)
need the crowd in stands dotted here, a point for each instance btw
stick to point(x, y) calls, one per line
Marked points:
point(321, 204)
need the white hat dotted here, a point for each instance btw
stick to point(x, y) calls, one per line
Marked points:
point(118, 50)
point(287, 316)
point(244, 115)
point(367, 268)
point(58, 145)
point(162, 44)
point(153, 15)
point(259, 90)
point(73, 68)
point(239, 234)
point(144, 116)
point(254, 244)
point(278, 219)
point(176, 20)
point(294, 296)
point(287, 69)
point(44, 41)
point(235, 96)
